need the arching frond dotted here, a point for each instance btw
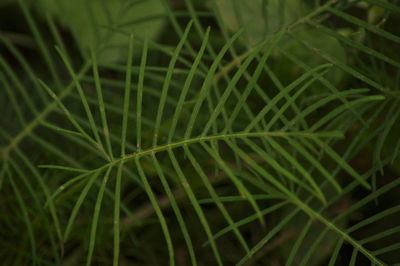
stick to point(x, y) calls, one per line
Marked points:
point(232, 133)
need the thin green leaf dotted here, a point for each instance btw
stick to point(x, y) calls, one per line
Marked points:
point(117, 210)
point(83, 98)
point(128, 85)
point(102, 108)
point(96, 215)
point(139, 102)
point(166, 85)
point(159, 213)
point(78, 204)
point(186, 186)
point(186, 87)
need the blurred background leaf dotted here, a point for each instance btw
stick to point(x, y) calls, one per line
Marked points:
point(92, 22)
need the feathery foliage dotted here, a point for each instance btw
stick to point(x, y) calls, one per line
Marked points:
point(189, 132)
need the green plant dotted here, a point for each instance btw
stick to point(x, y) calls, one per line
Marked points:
point(236, 132)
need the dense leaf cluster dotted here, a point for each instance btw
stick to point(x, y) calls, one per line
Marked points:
point(220, 132)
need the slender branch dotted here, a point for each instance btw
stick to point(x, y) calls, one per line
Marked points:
point(168, 146)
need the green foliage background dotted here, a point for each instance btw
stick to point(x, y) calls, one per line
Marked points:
point(188, 132)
